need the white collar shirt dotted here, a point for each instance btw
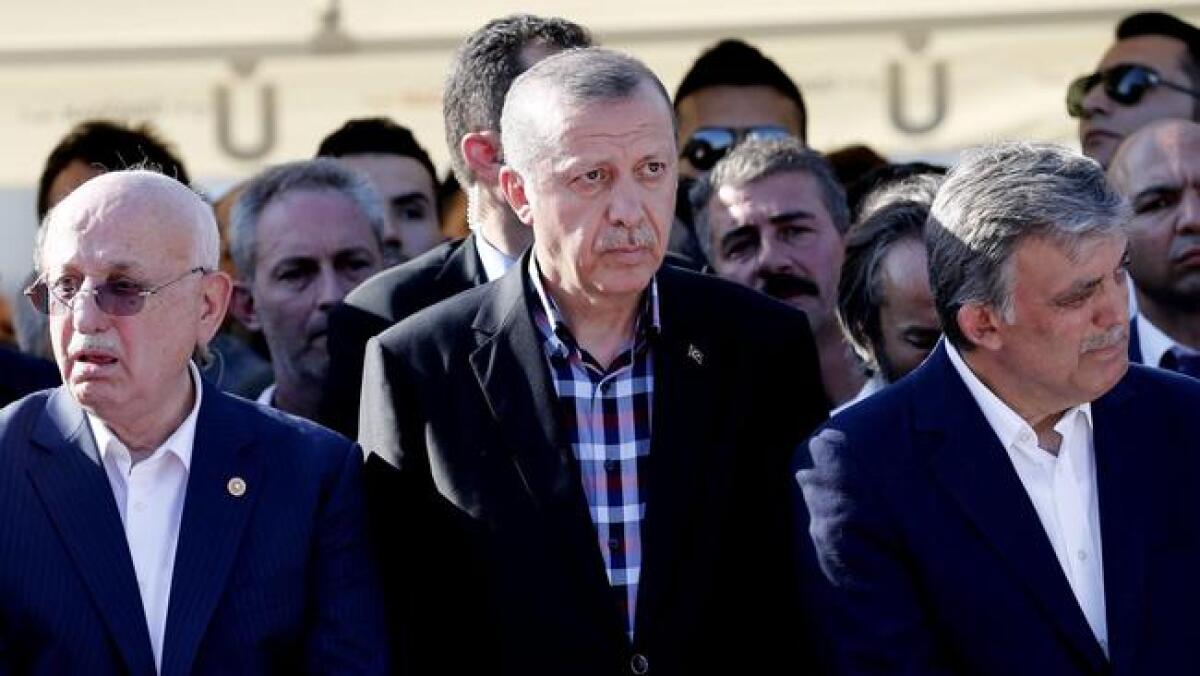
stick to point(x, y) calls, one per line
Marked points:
point(495, 262)
point(874, 384)
point(1062, 489)
point(1154, 343)
point(150, 497)
point(267, 396)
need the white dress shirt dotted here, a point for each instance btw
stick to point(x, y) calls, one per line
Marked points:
point(495, 262)
point(267, 396)
point(873, 385)
point(1062, 489)
point(1154, 343)
point(150, 498)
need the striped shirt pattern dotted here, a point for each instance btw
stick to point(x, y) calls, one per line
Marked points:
point(605, 414)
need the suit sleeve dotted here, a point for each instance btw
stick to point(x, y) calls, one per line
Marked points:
point(350, 328)
point(349, 634)
point(872, 610)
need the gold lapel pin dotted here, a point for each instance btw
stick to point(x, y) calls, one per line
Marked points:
point(236, 486)
point(695, 354)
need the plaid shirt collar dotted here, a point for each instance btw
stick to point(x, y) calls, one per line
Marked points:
point(560, 343)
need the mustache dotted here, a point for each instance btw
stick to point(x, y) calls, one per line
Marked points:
point(641, 237)
point(81, 342)
point(784, 285)
point(1110, 338)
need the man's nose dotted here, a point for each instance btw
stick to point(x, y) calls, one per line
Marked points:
point(1096, 102)
point(625, 206)
point(86, 315)
point(1188, 213)
point(331, 288)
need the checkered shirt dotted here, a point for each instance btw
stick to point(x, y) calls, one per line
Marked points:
point(606, 416)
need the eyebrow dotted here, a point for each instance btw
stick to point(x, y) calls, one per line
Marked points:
point(1161, 187)
point(409, 198)
point(789, 216)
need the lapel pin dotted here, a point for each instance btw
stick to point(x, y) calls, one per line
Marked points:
point(236, 486)
point(695, 354)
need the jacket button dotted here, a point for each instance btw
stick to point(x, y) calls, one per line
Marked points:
point(639, 665)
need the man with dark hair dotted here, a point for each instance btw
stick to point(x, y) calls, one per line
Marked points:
point(885, 306)
point(772, 216)
point(1152, 72)
point(577, 470)
point(733, 92)
point(483, 68)
point(401, 172)
point(1158, 170)
point(1024, 501)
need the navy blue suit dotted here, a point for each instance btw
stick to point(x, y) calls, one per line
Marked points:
point(277, 580)
point(935, 559)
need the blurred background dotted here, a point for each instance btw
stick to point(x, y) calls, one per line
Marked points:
point(237, 85)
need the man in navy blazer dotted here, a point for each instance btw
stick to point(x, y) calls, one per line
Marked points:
point(152, 523)
point(1025, 502)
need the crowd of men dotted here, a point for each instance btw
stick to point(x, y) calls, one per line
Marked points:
point(686, 398)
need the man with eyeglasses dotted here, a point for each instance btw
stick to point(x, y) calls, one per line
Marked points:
point(1152, 72)
point(151, 522)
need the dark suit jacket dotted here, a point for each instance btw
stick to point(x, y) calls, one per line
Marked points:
point(276, 581)
point(939, 564)
point(490, 555)
point(377, 304)
point(21, 374)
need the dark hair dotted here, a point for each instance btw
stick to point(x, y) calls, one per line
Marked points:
point(1166, 25)
point(375, 135)
point(733, 62)
point(860, 289)
point(880, 179)
point(109, 146)
point(485, 66)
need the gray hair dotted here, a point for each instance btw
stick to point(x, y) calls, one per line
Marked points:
point(756, 159)
point(574, 77)
point(920, 188)
point(997, 196)
point(273, 183)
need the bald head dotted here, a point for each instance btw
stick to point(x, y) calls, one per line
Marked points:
point(182, 221)
point(1156, 144)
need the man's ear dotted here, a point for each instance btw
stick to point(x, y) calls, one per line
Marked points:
point(512, 184)
point(242, 307)
point(980, 324)
point(480, 150)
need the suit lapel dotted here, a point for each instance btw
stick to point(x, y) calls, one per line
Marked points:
point(211, 526)
point(683, 420)
point(1120, 477)
point(510, 366)
point(970, 462)
point(76, 494)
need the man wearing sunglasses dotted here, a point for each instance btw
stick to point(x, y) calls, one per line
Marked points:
point(1152, 72)
point(152, 523)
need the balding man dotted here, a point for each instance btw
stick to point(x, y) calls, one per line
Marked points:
point(579, 470)
point(1158, 171)
point(152, 523)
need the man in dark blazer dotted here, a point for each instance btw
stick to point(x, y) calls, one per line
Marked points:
point(482, 70)
point(1025, 502)
point(152, 523)
point(577, 469)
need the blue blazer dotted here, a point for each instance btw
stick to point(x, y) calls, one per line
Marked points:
point(935, 561)
point(278, 580)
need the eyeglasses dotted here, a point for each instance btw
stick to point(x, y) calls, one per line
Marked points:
point(121, 298)
point(708, 145)
point(1124, 84)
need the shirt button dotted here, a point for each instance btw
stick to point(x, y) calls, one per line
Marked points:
point(639, 665)
point(611, 465)
point(614, 545)
point(139, 506)
point(1082, 555)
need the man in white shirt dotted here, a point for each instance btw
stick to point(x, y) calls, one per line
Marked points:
point(152, 523)
point(1158, 171)
point(1024, 501)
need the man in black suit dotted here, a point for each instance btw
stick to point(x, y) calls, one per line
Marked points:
point(579, 469)
point(480, 75)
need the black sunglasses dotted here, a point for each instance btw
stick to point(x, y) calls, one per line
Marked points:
point(121, 298)
point(708, 145)
point(1124, 84)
